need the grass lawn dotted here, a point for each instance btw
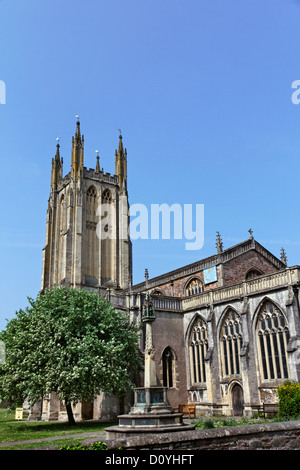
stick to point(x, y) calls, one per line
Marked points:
point(12, 430)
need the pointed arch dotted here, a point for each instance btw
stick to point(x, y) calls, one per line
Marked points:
point(197, 317)
point(168, 367)
point(253, 273)
point(106, 196)
point(231, 340)
point(272, 337)
point(91, 202)
point(262, 302)
point(223, 315)
point(91, 242)
point(193, 286)
point(158, 292)
point(197, 340)
point(61, 230)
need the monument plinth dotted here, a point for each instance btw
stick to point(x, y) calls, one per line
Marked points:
point(151, 412)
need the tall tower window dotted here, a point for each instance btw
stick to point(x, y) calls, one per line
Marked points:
point(60, 237)
point(91, 196)
point(106, 196)
point(231, 343)
point(92, 245)
point(198, 345)
point(272, 337)
point(168, 367)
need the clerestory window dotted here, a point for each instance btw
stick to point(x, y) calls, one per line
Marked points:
point(194, 287)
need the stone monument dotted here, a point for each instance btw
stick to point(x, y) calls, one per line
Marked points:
point(151, 412)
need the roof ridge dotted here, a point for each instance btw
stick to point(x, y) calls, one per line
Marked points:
point(213, 260)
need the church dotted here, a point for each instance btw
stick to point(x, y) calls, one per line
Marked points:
point(227, 328)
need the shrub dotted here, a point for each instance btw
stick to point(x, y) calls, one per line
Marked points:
point(95, 446)
point(209, 424)
point(289, 399)
point(229, 422)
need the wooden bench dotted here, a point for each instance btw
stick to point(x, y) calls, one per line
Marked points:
point(270, 408)
point(187, 409)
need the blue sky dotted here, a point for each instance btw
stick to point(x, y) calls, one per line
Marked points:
point(202, 92)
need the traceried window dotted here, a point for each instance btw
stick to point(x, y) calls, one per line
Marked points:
point(61, 223)
point(168, 367)
point(157, 292)
point(198, 345)
point(231, 340)
point(106, 196)
point(253, 273)
point(272, 336)
point(91, 198)
point(91, 247)
point(195, 286)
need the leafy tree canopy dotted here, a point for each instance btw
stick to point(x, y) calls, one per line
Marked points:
point(70, 342)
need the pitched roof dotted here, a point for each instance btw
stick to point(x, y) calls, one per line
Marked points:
point(214, 260)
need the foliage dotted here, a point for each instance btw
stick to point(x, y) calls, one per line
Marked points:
point(214, 423)
point(289, 399)
point(231, 421)
point(70, 342)
point(100, 445)
point(208, 424)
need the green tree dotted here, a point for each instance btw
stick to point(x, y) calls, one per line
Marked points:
point(69, 342)
point(289, 399)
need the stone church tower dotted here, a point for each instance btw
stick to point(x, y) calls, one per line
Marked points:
point(87, 231)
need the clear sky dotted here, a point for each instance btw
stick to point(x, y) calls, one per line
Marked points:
point(202, 92)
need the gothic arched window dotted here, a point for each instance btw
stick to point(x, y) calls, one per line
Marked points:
point(195, 286)
point(272, 336)
point(253, 273)
point(61, 227)
point(106, 196)
point(168, 363)
point(198, 345)
point(231, 340)
point(91, 199)
point(157, 292)
point(91, 247)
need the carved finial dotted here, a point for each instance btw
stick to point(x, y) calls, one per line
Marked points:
point(146, 275)
point(77, 133)
point(120, 143)
point(57, 156)
point(219, 244)
point(283, 256)
point(97, 164)
point(251, 232)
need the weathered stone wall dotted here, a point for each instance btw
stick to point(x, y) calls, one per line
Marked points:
point(266, 436)
point(235, 270)
point(168, 331)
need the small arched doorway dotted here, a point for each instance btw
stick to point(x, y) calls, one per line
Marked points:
point(237, 397)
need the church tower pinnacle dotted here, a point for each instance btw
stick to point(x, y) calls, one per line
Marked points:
point(121, 164)
point(57, 168)
point(77, 155)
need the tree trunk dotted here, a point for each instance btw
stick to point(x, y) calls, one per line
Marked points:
point(70, 414)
